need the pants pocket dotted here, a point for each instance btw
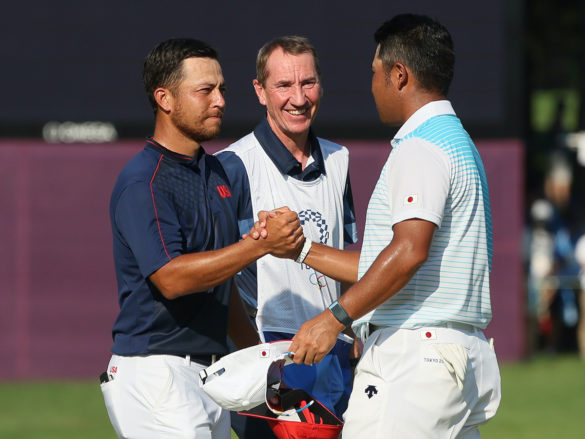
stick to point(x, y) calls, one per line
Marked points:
point(455, 358)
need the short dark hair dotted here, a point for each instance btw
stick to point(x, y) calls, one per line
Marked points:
point(162, 66)
point(291, 44)
point(423, 45)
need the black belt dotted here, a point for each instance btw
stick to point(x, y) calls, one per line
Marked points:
point(204, 359)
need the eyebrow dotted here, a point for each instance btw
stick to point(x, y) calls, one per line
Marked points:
point(210, 84)
point(287, 82)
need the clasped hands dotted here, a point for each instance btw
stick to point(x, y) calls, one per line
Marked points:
point(279, 231)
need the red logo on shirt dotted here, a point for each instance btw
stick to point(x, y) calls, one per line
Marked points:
point(224, 191)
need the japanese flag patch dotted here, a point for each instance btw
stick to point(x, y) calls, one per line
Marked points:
point(410, 199)
point(264, 353)
point(428, 334)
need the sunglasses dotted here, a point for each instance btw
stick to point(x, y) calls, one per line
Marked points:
point(275, 386)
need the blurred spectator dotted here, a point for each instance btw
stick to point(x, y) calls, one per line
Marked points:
point(540, 262)
point(552, 267)
point(580, 258)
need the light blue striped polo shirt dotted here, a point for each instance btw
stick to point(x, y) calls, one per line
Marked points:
point(435, 173)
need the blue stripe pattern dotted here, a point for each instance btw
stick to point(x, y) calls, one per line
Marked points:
point(453, 285)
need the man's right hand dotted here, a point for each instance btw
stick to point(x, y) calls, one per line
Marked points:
point(258, 230)
point(280, 232)
point(287, 234)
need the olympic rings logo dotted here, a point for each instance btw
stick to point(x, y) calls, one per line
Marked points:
point(318, 279)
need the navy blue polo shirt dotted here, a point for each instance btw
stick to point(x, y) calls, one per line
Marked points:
point(287, 164)
point(164, 205)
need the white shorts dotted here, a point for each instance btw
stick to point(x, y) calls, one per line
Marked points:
point(160, 396)
point(434, 382)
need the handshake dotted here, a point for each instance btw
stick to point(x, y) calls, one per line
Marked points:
point(280, 234)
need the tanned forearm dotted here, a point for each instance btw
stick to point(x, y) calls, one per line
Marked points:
point(389, 273)
point(198, 272)
point(341, 265)
point(392, 269)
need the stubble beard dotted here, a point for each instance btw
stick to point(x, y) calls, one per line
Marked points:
point(196, 132)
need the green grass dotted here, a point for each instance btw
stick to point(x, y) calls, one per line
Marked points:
point(53, 410)
point(544, 398)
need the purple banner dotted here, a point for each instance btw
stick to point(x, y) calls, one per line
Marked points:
point(58, 297)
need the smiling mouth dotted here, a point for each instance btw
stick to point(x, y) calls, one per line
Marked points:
point(298, 112)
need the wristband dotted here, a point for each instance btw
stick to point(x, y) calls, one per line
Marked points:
point(305, 251)
point(340, 314)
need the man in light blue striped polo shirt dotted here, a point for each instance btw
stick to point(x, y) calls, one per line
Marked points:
point(420, 296)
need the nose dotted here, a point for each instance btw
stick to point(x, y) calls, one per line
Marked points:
point(218, 98)
point(298, 96)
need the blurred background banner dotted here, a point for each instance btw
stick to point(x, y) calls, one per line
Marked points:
point(59, 294)
point(81, 61)
point(75, 112)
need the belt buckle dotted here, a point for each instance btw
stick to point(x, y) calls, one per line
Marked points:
point(206, 360)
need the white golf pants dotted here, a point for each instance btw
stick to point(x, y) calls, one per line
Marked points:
point(159, 396)
point(429, 383)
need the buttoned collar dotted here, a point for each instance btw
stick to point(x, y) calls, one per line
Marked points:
point(284, 160)
point(424, 113)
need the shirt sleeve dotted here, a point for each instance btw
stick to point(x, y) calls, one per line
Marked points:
point(350, 234)
point(419, 182)
point(246, 280)
point(141, 217)
point(240, 187)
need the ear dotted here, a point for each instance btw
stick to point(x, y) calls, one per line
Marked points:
point(400, 75)
point(259, 91)
point(164, 99)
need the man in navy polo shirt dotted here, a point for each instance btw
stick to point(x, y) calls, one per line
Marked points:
point(176, 250)
point(282, 162)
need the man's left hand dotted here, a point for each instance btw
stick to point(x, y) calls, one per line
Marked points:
point(258, 230)
point(315, 338)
